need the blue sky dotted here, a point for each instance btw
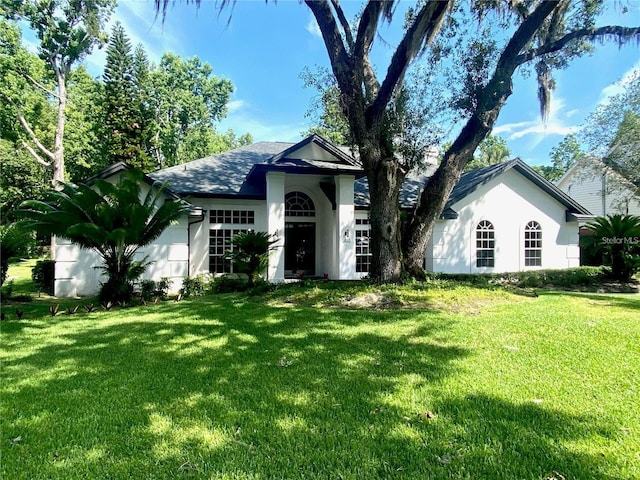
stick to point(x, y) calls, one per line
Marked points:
point(265, 47)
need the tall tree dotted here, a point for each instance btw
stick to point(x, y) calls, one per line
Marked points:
point(563, 156)
point(68, 30)
point(124, 119)
point(187, 100)
point(144, 103)
point(20, 176)
point(546, 34)
point(84, 131)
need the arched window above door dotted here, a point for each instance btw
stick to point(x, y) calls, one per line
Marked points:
point(299, 204)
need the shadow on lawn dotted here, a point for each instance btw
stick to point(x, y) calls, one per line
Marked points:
point(259, 392)
point(622, 300)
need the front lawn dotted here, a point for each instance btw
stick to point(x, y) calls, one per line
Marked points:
point(439, 382)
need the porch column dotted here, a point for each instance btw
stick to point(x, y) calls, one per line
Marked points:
point(275, 224)
point(345, 220)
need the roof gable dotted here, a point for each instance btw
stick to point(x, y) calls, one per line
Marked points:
point(472, 180)
point(240, 173)
point(468, 183)
point(315, 148)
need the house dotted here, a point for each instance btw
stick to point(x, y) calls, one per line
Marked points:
point(312, 198)
point(599, 188)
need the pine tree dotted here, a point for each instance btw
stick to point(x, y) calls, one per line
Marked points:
point(145, 106)
point(124, 126)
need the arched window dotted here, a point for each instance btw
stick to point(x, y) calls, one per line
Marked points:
point(533, 245)
point(485, 244)
point(298, 204)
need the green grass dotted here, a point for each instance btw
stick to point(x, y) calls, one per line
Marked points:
point(444, 381)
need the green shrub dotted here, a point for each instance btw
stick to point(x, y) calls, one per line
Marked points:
point(615, 238)
point(162, 287)
point(229, 284)
point(570, 277)
point(250, 254)
point(115, 290)
point(193, 286)
point(147, 290)
point(260, 287)
point(43, 275)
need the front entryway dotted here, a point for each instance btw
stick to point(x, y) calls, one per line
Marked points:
point(300, 248)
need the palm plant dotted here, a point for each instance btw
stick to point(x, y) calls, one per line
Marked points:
point(618, 238)
point(114, 220)
point(250, 253)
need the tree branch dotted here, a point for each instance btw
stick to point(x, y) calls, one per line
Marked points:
point(367, 27)
point(33, 137)
point(338, 55)
point(622, 34)
point(344, 22)
point(30, 132)
point(38, 84)
point(491, 99)
point(420, 34)
point(366, 33)
point(35, 155)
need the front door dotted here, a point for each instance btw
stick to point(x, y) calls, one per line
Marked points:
point(300, 248)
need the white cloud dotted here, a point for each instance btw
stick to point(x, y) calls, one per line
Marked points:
point(236, 105)
point(573, 112)
point(242, 118)
point(554, 125)
point(312, 27)
point(618, 87)
point(543, 129)
point(242, 123)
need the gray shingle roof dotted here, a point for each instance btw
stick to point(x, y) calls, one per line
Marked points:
point(222, 174)
point(469, 182)
point(241, 173)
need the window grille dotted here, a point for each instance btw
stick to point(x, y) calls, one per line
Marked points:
point(533, 245)
point(219, 244)
point(363, 252)
point(232, 217)
point(298, 204)
point(485, 244)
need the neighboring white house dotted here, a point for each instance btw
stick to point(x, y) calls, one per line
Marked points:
point(600, 189)
point(312, 198)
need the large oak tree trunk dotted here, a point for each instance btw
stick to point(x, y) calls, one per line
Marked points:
point(385, 236)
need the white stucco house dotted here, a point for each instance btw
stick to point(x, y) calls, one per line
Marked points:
point(312, 197)
point(600, 189)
